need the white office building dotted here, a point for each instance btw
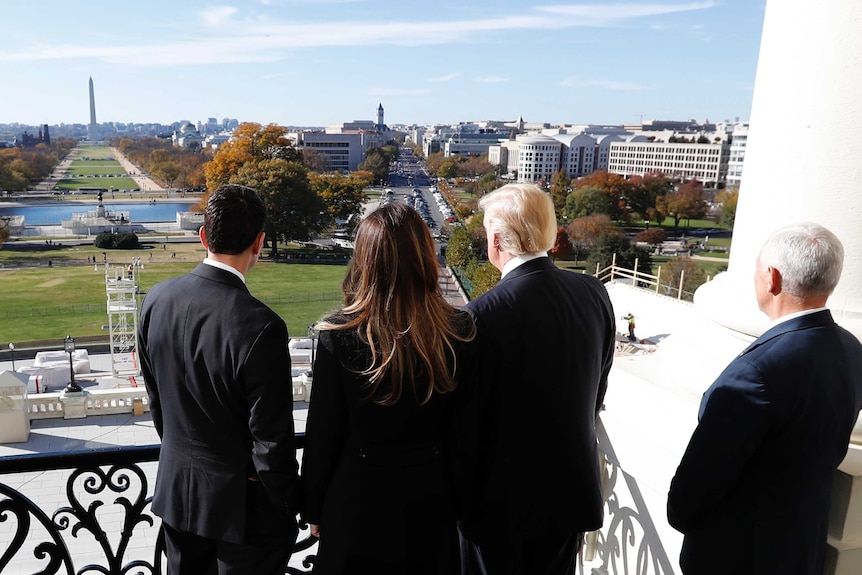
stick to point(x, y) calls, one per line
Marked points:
point(704, 162)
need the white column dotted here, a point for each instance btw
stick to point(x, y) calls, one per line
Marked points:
point(803, 160)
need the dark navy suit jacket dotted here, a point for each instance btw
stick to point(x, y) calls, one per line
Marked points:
point(544, 347)
point(217, 371)
point(752, 491)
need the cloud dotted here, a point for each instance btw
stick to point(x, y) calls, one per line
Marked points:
point(606, 14)
point(492, 79)
point(604, 84)
point(218, 16)
point(268, 39)
point(446, 78)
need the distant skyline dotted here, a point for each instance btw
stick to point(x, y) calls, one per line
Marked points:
point(321, 62)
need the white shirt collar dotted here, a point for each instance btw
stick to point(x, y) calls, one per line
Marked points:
point(520, 260)
point(794, 315)
point(225, 267)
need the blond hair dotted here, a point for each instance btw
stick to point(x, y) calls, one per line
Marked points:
point(522, 216)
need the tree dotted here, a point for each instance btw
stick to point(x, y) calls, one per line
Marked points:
point(250, 143)
point(685, 202)
point(685, 269)
point(167, 171)
point(315, 161)
point(652, 236)
point(483, 277)
point(342, 196)
point(587, 201)
point(586, 232)
point(4, 231)
point(561, 185)
point(459, 251)
point(562, 245)
point(377, 162)
point(616, 187)
point(293, 210)
point(728, 201)
point(448, 169)
point(644, 191)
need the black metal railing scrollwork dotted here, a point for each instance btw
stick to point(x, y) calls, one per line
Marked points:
point(108, 513)
point(628, 543)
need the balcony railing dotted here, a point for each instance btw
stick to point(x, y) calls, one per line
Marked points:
point(103, 522)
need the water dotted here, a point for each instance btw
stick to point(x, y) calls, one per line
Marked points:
point(53, 215)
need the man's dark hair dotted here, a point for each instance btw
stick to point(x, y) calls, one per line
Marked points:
point(233, 218)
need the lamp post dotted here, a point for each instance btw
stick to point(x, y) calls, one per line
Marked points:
point(311, 334)
point(12, 354)
point(69, 346)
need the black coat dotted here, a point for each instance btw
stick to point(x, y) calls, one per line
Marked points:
point(217, 371)
point(752, 491)
point(526, 420)
point(375, 477)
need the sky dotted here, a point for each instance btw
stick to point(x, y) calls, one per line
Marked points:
point(322, 62)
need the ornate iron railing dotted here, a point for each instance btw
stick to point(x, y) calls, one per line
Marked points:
point(628, 542)
point(82, 535)
point(119, 537)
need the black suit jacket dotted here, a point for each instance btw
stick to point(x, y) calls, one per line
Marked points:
point(752, 491)
point(217, 371)
point(526, 422)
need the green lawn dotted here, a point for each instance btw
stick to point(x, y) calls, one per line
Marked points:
point(41, 302)
point(107, 183)
point(90, 168)
point(89, 151)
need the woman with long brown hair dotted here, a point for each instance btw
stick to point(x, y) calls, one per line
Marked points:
point(375, 472)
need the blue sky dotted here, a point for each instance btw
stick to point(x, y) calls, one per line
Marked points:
point(320, 62)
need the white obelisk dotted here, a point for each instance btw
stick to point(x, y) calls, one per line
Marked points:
point(92, 128)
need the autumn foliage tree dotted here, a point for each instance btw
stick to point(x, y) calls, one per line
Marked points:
point(588, 201)
point(561, 185)
point(685, 202)
point(682, 271)
point(562, 245)
point(616, 187)
point(251, 143)
point(263, 158)
point(173, 165)
point(293, 210)
point(645, 190)
point(728, 201)
point(342, 196)
point(652, 236)
point(377, 161)
point(20, 166)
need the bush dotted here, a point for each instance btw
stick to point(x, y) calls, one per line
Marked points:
point(121, 241)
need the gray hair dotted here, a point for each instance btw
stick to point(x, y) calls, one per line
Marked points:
point(808, 256)
point(522, 216)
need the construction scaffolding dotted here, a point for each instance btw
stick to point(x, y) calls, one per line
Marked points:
point(122, 286)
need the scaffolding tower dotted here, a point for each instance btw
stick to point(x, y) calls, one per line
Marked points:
point(122, 286)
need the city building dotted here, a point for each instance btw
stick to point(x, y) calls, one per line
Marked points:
point(738, 141)
point(187, 136)
point(704, 162)
point(343, 151)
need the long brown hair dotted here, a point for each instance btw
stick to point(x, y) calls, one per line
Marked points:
point(392, 298)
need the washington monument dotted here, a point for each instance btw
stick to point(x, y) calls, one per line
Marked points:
point(92, 129)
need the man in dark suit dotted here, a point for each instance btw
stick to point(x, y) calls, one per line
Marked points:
point(545, 343)
point(217, 370)
point(752, 491)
